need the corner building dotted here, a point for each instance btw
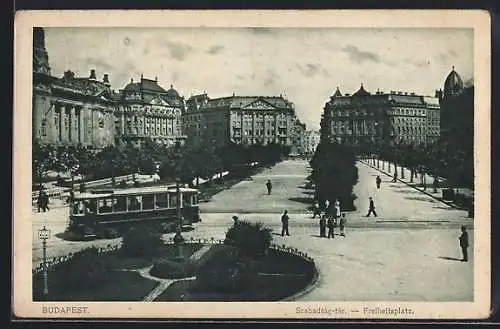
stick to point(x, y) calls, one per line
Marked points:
point(364, 117)
point(147, 111)
point(239, 119)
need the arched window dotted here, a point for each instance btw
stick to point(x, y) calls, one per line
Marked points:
point(44, 128)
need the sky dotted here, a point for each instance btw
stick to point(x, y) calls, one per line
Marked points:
point(305, 65)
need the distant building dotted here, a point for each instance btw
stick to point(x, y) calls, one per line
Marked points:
point(311, 141)
point(147, 111)
point(298, 137)
point(70, 110)
point(457, 111)
point(363, 117)
point(239, 119)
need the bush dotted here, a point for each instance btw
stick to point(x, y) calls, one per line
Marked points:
point(252, 239)
point(226, 271)
point(141, 242)
point(169, 269)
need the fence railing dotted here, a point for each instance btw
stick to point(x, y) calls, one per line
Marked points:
point(206, 241)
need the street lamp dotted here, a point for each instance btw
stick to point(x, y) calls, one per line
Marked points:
point(44, 235)
point(178, 238)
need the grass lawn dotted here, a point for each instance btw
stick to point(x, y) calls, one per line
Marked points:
point(121, 286)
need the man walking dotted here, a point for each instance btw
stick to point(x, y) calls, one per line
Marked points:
point(39, 200)
point(394, 178)
point(378, 181)
point(342, 225)
point(371, 208)
point(464, 244)
point(269, 186)
point(284, 223)
point(45, 201)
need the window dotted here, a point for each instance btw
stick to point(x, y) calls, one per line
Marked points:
point(148, 201)
point(44, 128)
point(172, 200)
point(120, 203)
point(134, 203)
point(161, 201)
point(105, 206)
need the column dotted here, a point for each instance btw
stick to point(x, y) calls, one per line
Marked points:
point(122, 123)
point(81, 126)
point(62, 108)
point(253, 128)
point(276, 128)
point(51, 125)
point(70, 123)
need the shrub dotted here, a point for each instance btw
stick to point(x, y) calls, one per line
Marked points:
point(252, 239)
point(226, 271)
point(141, 242)
point(169, 269)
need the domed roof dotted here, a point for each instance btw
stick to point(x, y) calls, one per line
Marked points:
point(453, 83)
point(172, 92)
point(132, 86)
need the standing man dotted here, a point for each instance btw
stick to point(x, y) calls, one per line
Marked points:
point(371, 208)
point(327, 208)
point(45, 201)
point(343, 221)
point(464, 244)
point(322, 226)
point(269, 186)
point(236, 221)
point(394, 178)
point(316, 209)
point(331, 227)
point(284, 223)
point(378, 181)
point(39, 200)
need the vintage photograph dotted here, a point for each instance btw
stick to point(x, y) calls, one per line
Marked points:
point(316, 165)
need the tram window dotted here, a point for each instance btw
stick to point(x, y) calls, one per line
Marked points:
point(161, 201)
point(186, 200)
point(120, 203)
point(105, 206)
point(77, 208)
point(91, 206)
point(134, 203)
point(172, 200)
point(147, 201)
point(194, 200)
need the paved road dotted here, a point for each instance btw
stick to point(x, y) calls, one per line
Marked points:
point(408, 253)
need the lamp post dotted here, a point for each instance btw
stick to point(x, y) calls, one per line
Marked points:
point(178, 238)
point(44, 235)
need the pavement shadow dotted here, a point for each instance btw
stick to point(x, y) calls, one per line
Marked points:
point(301, 200)
point(450, 258)
point(420, 199)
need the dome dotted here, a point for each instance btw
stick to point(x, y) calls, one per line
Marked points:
point(132, 86)
point(453, 84)
point(172, 92)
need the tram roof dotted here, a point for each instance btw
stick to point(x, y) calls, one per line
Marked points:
point(132, 191)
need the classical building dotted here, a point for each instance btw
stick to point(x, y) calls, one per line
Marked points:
point(457, 111)
point(147, 111)
point(70, 110)
point(311, 141)
point(239, 119)
point(399, 117)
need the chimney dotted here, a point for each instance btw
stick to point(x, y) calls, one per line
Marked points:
point(92, 75)
point(105, 79)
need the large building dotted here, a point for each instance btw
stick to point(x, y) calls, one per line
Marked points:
point(298, 136)
point(147, 111)
point(457, 111)
point(70, 110)
point(364, 117)
point(239, 119)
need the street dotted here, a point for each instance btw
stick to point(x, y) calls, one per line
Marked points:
point(409, 252)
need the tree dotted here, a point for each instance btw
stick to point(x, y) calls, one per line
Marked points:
point(44, 158)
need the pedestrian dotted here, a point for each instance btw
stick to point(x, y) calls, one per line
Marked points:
point(45, 201)
point(331, 226)
point(316, 209)
point(322, 227)
point(378, 181)
point(395, 177)
point(39, 200)
point(269, 186)
point(284, 223)
point(336, 210)
point(327, 207)
point(236, 221)
point(371, 208)
point(343, 221)
point(464, 244)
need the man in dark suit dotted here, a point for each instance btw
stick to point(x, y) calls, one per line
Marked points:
point(371, 208)
point(284, 223)
point(269, 186)
point(464, 243)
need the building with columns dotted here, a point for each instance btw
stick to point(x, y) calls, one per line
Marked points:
point(70, 110)
point(365, 117)
point(147, 111)
point(239, 119)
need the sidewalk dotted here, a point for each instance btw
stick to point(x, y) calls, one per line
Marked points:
point(384, 166)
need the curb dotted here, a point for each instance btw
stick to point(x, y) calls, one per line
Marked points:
point(416, 188)
point(312, 285)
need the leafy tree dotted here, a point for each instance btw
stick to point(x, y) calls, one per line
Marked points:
point(252, 239)
point(44, 158)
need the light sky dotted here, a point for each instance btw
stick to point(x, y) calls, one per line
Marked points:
point(305, 65)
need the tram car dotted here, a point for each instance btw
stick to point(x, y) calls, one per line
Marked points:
point(108, 214)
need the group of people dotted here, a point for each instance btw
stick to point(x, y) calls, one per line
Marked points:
point(42, 201)
point(331, 218)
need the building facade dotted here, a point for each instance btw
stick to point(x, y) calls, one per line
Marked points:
point(147, 111)
point(311, 141)
point(298, 137)
point(239, 119)
point(69, 110)
point(366, 117)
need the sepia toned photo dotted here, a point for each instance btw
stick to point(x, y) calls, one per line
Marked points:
point(324, 164)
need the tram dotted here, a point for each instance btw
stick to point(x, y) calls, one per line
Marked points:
point(109, 213)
